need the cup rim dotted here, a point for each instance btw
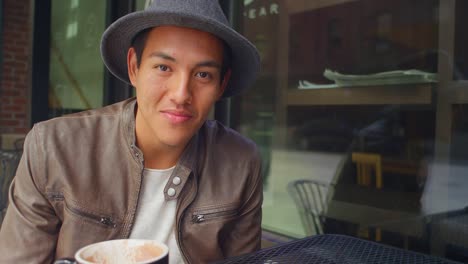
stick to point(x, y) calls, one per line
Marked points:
point(163, 246)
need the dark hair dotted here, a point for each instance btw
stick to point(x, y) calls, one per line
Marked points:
point(139, 41)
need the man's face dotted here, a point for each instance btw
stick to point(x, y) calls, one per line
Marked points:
point(177, 83)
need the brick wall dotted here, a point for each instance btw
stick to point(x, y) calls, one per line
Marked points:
point(16, 66)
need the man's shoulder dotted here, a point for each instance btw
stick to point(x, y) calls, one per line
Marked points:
point(85, 123)
point(221, 137)
point(109, 110)
point(214, 130)
point(84, 118)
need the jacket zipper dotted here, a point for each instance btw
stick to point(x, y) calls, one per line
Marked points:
point(103, 220)
point(202, 217)
point(179, 235)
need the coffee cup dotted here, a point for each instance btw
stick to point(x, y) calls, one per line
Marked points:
point(121, 251)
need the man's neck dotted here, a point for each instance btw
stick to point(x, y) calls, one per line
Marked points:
point(158, 157)
point(156, 154)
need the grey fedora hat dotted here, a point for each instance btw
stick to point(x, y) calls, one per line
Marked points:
point(203, 15)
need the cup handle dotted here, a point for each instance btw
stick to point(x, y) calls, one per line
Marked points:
point(65, 261)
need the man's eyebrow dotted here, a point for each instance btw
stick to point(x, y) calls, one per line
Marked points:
point(162, 55)
point(210, 63)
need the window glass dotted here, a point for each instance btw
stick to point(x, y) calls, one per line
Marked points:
point(76, 69)
point(365, 100)
point(142, 4)
point(461, 41)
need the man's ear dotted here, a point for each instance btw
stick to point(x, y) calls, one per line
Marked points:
point(132, 65)
point(227, 77)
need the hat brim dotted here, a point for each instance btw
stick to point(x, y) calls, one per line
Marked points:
point(117, 39)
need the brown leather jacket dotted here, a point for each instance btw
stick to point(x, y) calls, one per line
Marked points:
point(80, 177)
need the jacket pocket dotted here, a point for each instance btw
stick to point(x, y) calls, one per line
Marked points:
point(100, 220)
point(206, 214)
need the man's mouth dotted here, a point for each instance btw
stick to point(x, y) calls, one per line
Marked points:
point(177, 117)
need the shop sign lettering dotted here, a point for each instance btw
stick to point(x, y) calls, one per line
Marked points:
point(263, 11)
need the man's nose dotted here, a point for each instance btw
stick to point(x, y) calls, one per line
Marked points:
point(180, 91)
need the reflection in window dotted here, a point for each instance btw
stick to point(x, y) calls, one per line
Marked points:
point(142, 4)
point(461, 42)
point(76, 69)
point(350, 95)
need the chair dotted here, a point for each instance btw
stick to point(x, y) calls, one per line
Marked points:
point(9, 160)
point(311, 199)
point(366, 163)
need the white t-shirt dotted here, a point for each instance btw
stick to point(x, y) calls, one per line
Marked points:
point(156, 218)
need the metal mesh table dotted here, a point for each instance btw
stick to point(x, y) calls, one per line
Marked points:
point(331, 249)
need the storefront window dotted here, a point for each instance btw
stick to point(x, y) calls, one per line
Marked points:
point(142, 4)
point(76, 79)
point(366, 99)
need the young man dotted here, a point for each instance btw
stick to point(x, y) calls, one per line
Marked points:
point(151, 167)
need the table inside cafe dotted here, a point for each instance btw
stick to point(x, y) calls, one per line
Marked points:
point(331, 249)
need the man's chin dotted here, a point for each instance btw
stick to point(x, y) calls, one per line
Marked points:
point(176, 142)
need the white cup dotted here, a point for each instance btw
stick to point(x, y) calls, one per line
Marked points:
point(122, 251)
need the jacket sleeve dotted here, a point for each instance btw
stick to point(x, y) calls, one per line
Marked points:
point(29, 231)
point(245, 236)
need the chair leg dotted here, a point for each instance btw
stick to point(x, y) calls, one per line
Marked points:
point(366, 176)
point(378, 176)
point(378, 234)
point(359, 174)
point(363, 232)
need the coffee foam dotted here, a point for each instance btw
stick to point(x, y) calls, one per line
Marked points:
point(122, 253)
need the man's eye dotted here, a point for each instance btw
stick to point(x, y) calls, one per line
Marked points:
point(162, 68)
point(203, 75)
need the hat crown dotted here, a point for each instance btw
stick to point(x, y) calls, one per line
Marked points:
point(209, 9)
